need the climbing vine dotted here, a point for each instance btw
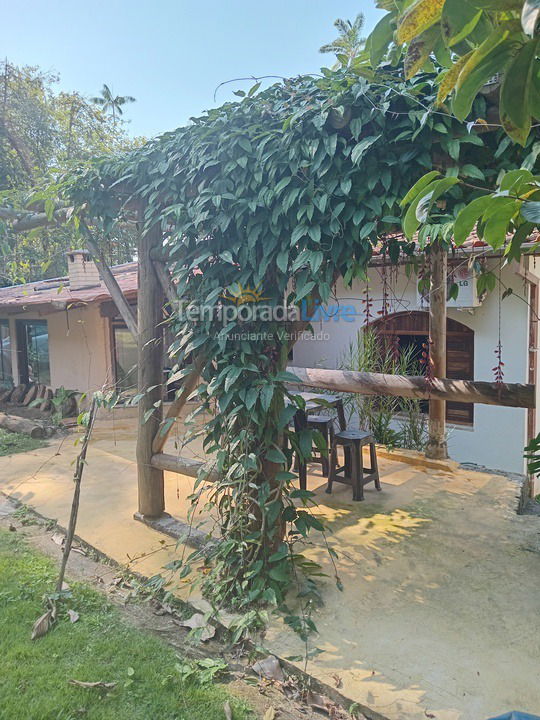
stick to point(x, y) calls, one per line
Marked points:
point(263, 204)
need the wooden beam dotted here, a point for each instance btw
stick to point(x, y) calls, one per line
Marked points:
point(110, 282)
point(468, 391)
point(437, 447)
point(166, 282)
point(190, 383)
point(182, 466)
point(149, 376)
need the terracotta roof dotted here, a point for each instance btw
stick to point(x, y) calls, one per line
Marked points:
point(57, 293)
point(471, 244)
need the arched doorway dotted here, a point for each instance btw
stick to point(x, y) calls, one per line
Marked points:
point(412, 328)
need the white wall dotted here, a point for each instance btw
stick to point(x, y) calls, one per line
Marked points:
point(498, 435)
point(79, 347)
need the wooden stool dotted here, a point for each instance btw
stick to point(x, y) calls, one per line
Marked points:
point(325, 425)
point(354, 472)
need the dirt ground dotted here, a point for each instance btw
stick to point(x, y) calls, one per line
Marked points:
point(439, 573)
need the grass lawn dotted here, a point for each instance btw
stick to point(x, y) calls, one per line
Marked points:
point(11, 442)
point(34, 674)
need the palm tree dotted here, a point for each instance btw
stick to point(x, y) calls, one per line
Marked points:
point(349, 42)
point(110, 102)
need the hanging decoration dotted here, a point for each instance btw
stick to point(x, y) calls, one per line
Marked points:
point(498, 371)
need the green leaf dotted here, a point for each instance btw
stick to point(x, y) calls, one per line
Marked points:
point(253, 89)
point(531, 211)
point(286, 415)
point(361, 147)
point(303, 286)
point(282, 260)
point(435, 189)
point(531, 158)
point(516, 91)
point(497, 222)
point(288, 377)
point(458, 19)
point(515, 180)
point(486, 61)
point(281, 553)
point(227, 257)
point(534, 99)
point(275, 455)
point(469, 170)
point(380, 38)
point(305, 442)
point(232, 376)
point(468, 217)
point(418, 186)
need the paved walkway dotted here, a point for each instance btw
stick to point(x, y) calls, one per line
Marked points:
point(440, 610)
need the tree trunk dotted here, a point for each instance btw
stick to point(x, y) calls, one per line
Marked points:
point(437, 447)
point(21, 425)
point(150, 376)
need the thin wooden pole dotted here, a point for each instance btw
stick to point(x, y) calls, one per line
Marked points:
point(437, 447)
point(79, 468)
point(149, 376)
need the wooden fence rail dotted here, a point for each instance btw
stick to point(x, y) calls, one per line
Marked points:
point(464, 391)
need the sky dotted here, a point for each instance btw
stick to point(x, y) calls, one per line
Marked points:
point(171, 55)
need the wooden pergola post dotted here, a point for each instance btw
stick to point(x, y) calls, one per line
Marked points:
point(437, 447)
point(149, 376)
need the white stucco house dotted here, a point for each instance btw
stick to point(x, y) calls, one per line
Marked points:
point(68, 332)
point(485, 435)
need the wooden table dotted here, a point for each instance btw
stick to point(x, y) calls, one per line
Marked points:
point(315, 402)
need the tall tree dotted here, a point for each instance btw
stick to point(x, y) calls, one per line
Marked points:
point(42, 133)
point(349, 43)
point(112, 103)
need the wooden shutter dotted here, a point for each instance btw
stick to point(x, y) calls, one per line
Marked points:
point(459, 352)
point(460, 366)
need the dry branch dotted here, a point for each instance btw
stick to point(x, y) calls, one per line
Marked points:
point(77, 477)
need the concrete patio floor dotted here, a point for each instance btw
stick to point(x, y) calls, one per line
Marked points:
point(439, 612)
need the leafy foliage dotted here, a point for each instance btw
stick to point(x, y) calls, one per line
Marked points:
point(11, 442)
point(480, 47)
point(349, 43)
point(42, 133)
point(370, 352)
point(282, 192)
point(112, 103)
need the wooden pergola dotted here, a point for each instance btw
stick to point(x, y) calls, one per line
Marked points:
point(156, 288)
